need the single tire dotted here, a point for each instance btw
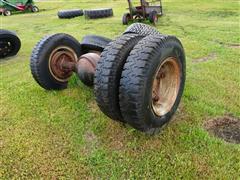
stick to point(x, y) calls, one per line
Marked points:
point(126, 18)
point(94, 43)
point(108, 74)
point(152, 82)
point(7, 13)
point(46, 58)
point(153, 17)
point(67, 14)
point(98, 13)
point(142, 29)
point(10, 44)
point(34, 9)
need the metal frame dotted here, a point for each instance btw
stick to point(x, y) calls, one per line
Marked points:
point(142, 11)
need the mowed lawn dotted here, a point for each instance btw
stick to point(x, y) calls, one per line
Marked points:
point(63, 134)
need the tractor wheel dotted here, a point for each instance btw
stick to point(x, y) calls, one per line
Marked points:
point(10, 44)
point(34, 9)
point(67, 14)
point(98, 13)
point(49, 57)
point(153, 17)
point(94, 43)
point(126, 18)
point(7, 13)
point(152, 82)
point(108, 74)
point(142, 29)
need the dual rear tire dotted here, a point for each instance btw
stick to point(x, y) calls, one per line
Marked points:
point(140, 78)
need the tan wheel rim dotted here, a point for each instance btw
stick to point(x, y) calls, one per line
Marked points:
point(165, 86)
point(58, 57)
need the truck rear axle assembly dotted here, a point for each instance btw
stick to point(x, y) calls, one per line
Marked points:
point(138, 78)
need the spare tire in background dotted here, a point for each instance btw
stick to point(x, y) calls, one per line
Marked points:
point(10, 44)
point(67, 14)
point(98, 13)
point(94, 43)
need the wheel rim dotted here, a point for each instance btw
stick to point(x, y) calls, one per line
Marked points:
point(5, 48)
point(57, 63)
point(165, 86)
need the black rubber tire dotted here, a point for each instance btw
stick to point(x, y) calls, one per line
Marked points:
point(94, 43)
point(137, 78)
point(108, 74)
point(153, 17)
point(12, 40)
point(67, 14)
point(34, 9)
point(7, 13)
point(40, 59)
point(142, 29)
point(126, 18)
point(98, 13)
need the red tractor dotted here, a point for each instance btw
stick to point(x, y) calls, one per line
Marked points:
point(146, 11)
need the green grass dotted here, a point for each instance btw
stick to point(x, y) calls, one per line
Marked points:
point(64, 135)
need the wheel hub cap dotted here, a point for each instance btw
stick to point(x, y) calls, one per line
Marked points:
point(62, 62)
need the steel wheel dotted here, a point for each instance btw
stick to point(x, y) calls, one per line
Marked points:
point(5, 48)
point(60, 62)
point(166, 86)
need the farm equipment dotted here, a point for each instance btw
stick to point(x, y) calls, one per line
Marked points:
point(132, 84)
point(146, 11)
point(7, 6)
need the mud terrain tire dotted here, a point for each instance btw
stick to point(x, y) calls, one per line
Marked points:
point(67, 14)
point(98, 13)
point(139, 105)
point(108, 74)
point(141, 29)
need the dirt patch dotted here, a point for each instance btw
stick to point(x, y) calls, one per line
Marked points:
point(230, 45)
point(237, 46)
point(91, 142)
point(226, 128)
point(210, 57)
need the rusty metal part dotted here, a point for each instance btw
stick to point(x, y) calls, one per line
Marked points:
point(62, 62)
point(86, 67)
point(165, 86)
